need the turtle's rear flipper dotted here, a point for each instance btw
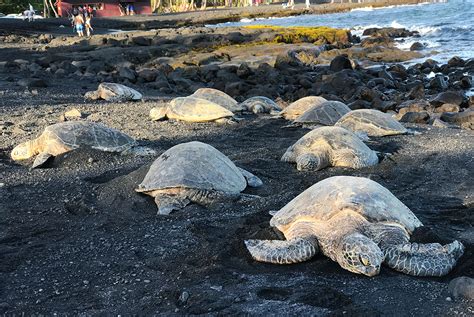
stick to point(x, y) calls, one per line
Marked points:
point(282, 251)
point(431, 259)
point(252, 180)
point(167, 203)
point(41, 159)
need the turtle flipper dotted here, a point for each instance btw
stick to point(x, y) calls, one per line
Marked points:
point(252, 180)
point(41, 159)
point(167, 203)
point(282, 251)
point(431, 259)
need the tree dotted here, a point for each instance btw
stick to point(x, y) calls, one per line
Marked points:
point(17, 6)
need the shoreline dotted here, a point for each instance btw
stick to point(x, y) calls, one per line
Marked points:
point(195, 18)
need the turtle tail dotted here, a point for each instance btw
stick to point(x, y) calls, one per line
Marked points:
point(282, 251)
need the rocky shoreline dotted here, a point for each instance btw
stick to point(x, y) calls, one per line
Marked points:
point(76, 238)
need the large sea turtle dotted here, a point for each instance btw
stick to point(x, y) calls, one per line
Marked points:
point(194, 172)
point(192, 110)
point(260, 104)
point(218, 97)
point(326, 113)
point(329, 146)
point(113, 92)
point(371, 122)
point(66, 136)
point(297, 108)
point(357, 223)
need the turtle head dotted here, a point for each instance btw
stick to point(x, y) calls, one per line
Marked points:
point(360, 255)
point(23, 151)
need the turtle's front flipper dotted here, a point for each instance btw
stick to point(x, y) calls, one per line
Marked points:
point(167, 203)
point(431, 259)
point(41, 159)
point(252, 180)
point(283, 251)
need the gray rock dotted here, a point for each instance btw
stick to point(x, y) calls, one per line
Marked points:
point(447, 97)
point(417, 46)
point(415, 117)
point(462, 287)
point(127, 73)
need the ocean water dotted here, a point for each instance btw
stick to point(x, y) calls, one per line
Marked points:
point(446, 28)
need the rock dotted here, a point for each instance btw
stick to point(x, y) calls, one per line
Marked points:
point(441, 124)
point(183, 298)
point(417, 46)
point(148, 75)
point(466, 82)
point(438, 82)
point(389, 32)
point(244, 70)
point(297, 57)
point(32, 83)
point(447, 107)
point(80, 64)
point(141, 41)
point(417, 92)
point(127, 73)
point(461, 118)
point(415, 117)
point(73, 114)
point(462, 287)
point(451, 97)
point(456, 62)
point(235, 37)
point(340, 62)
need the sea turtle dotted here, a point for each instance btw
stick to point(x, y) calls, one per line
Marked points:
point(194, 172)
point(329, 146)
point(371, 122)
point(358, 223)
point(66, 136)
point(192, 110)
point(260, 104)
point(297, 108)
point(326, 113)
point(218, 97)
point(113, 92)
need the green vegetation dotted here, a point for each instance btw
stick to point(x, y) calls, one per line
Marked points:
point(17, 6)
point(300, 34)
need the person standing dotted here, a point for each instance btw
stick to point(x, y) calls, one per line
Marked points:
point(88, 25)
point(79, 24)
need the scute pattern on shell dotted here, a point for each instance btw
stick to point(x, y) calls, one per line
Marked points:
point(196, 110)
point(194, 165)
point(342, 146)
point(330, 196)
point(300, 106)
point(373, 122)
point(75, 134)
point(117, 92)
point(267, 104)
point(326, 113)
point(218, 97)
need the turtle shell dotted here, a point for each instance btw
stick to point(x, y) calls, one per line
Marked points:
point(194, 165)
point(373, 122)
point(297, 108)
point(75, 134)
point(113, 92)
point(326, 198)
point(326, 113)
point(196, 110)
point(339, 143)
point(218, 97)
point(267, 104)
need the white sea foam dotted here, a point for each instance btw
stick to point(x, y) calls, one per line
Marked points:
point(405, 45)
point(246, 20)
point(362, 9)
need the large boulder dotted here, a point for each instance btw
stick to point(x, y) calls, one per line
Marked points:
point(451, 97)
